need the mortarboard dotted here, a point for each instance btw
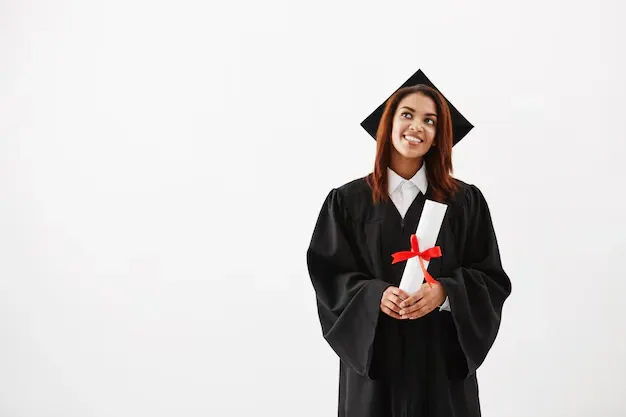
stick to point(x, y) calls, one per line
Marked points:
point(460, 125)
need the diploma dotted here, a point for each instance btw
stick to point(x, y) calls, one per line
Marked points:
point(428, 229)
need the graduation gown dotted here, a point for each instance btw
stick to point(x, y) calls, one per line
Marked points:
point(410, 368)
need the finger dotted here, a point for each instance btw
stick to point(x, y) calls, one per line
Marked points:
point(399, 293)
point(415, 307)
point(395, 299)
point(391, 306)
point(412, 299)
point(390, 313)
point(421, 312)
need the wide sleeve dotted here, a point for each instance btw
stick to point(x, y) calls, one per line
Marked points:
point(478, 288)
point(348, 297)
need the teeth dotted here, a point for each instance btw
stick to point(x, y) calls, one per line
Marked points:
point(412, 139)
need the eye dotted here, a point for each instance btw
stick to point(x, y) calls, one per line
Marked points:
point(429, 120)
point(406, 115)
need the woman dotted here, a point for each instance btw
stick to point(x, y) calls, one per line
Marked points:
point(408, 354)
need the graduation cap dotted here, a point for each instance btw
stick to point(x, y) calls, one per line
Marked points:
point(460, 125)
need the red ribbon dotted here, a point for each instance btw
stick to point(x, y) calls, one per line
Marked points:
point(427, 255)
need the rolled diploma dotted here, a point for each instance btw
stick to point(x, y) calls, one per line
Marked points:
point(428, 229)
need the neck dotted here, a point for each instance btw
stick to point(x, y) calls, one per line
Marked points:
point(405, 167)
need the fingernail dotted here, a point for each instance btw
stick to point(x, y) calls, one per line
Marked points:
point(401, 312)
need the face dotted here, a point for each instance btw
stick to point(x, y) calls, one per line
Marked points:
point(414, 126)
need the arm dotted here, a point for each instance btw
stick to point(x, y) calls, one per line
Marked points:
point(348, 298)
point(476, 290)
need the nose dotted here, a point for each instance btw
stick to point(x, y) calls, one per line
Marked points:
point(416, 125)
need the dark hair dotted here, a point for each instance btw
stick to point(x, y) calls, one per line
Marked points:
point(438, 159)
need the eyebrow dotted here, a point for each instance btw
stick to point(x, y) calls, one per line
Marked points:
point(413, 110)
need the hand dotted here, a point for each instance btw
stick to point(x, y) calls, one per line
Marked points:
point(390, 301)
point(425, 300)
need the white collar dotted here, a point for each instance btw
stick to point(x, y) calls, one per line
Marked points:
point(419, 179)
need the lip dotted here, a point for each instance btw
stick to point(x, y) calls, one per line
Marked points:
point(415, 136)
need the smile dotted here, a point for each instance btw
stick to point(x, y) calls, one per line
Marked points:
point(412, 139)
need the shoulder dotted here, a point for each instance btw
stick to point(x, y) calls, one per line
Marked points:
point(352, 197)
point(468, 197)
point(355, 190)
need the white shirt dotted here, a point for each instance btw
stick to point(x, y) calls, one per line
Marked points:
point(402, 192)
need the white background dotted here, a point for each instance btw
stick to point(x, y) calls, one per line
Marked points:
point(163, 164)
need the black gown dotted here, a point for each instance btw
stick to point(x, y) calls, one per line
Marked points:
point(410, 368)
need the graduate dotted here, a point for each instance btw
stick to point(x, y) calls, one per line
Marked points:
point(409, 353)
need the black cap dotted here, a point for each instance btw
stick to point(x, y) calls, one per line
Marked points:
point(460, 125)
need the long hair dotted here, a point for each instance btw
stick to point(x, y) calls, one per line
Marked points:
point(438, 159)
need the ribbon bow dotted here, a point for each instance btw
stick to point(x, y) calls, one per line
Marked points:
point(427, 255)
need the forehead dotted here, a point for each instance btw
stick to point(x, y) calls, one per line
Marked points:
point(419, 102)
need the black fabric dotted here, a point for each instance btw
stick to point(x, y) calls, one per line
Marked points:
point(460, 125)
point(418, 368)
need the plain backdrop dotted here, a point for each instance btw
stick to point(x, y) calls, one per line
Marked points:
point(162, 165)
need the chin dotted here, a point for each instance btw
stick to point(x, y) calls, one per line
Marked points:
point(410, 155)
point(414, 155)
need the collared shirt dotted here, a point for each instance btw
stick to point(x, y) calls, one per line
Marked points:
point(402, 193)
